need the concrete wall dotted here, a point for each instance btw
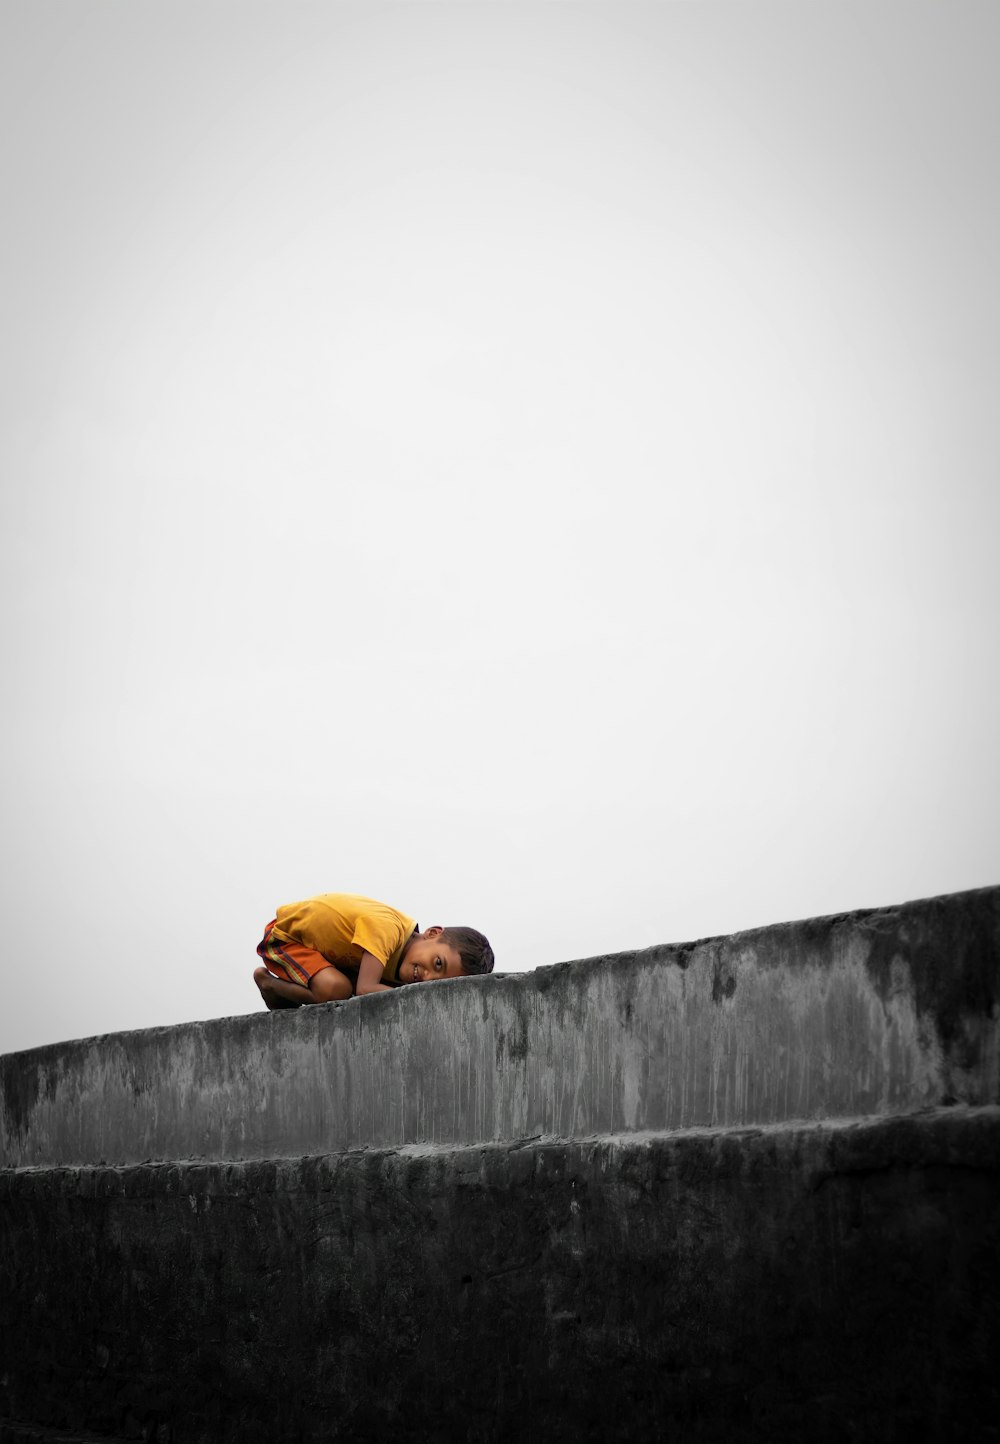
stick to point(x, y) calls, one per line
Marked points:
point(870, 1013)
point(839, 1282)
point(743, 1189)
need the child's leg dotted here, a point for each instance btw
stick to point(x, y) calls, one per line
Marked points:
point(330, 986)
point(277, 992)
point(294, 974)
point(326, 986)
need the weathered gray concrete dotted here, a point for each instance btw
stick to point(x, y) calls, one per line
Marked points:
point(827, 1282)
point(741, 1189)
point(871, 1013)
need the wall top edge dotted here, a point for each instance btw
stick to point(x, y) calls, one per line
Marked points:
point(884, 918)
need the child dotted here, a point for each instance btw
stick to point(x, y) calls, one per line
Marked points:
point(334, 945)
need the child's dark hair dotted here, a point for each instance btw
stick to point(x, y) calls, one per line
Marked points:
point(473, 949)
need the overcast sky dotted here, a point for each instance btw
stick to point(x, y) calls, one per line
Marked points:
point(536, 464)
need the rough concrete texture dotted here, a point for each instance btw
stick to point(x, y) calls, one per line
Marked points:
point(828, 1282)
point(873, 1012)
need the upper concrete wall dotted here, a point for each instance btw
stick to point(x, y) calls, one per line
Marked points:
point(869, 1013)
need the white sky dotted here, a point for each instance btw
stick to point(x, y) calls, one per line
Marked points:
point(533, 463)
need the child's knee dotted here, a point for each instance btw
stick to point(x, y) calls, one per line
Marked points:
point(330, 986)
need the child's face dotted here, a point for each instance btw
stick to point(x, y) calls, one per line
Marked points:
point(428, 959)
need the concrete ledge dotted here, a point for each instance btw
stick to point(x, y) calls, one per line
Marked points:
point(16, 1431)
point(781, 1283)
point(873, 1012)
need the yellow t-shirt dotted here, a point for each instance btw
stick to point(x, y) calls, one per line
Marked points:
point(342, 926)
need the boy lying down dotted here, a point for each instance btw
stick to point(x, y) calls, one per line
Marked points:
point(336, 945)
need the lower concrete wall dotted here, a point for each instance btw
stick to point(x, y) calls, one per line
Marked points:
point(826, 1283)
point(870, 1013)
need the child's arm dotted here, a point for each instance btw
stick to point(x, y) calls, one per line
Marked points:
point(369, 975)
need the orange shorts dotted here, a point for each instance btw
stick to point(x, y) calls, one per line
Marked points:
point(293, 962)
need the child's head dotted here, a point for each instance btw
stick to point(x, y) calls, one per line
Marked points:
point(473, 949)
point(445, 953)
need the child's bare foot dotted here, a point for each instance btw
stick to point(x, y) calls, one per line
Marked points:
point(271, 996)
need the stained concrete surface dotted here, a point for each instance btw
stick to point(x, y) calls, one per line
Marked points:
point(572, 1205)
point(873, 1012)
point(832, 1282)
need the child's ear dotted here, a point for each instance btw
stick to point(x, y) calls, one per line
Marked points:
point(434, 932)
